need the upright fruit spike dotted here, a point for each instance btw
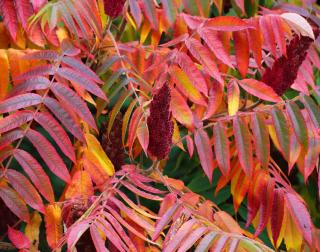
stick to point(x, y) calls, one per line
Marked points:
point(113, 8)
point(285, 69)
point(159, 124)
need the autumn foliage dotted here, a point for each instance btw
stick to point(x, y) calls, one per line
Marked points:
point(168, 125)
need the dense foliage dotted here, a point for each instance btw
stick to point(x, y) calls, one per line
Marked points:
point(159, 125)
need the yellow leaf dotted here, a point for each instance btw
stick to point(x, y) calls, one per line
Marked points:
point(96, 152)
point(176, 138)
point(233, 98)
point(273, 136)
point(53, 221)
point(145, 30)
point(4, 76)
point(185, 85)
point(80, 186)
point(292, 238)
point(32, 231)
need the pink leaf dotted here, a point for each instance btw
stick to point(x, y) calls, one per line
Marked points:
point(49, 154)
point(73, 100)
point(14, 202)
point(47, 121)
point(65, 117)
point(19, 101)
point(15, 120)
point(18, 239)
point(35, 172)
point(300, 215)
point(10, 17)
point(22, 185)
point(204, 149)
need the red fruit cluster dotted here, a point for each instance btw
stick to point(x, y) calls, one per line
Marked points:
point(113, 8)
point(159, 124)
point(112, 143)
point(285, 69)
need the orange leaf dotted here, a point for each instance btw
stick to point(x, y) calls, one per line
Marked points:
point(241, 45)
point(80, 186)
point(4, 77)
point(53, 221)
point(180, 109)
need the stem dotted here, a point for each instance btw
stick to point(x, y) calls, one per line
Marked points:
point(32, 120)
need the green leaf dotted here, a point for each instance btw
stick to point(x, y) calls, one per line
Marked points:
point(282, 131)
point(261, 139)
point(298, 123)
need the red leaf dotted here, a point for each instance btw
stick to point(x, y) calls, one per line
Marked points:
point(215, 99)
point(14, 202)
point(213, 41)
point(49, 155)
point(255, 40)
point(10, 137)
point(65, 117)
point(35, 172)
point(221, 148)
point(73, 100)
point(150, 12)
point(81, 80)
point(180, 109)
point(268, 35)
point(241, 46)
point(190, 145)
point(300, 215)
point(227, 23)
point(18, 239)
point(202, 54)
point(243, 144)
point(203, 145)
point(22, 185)
point(277, 215)
point(279, 33)
point(77, 65)
point(266, 204)
point(10, 17)
point(260, 90)
point(194, 74)
point(24, 11)
point(19, 101)
point(35, 72)
point(58, 134)
point(15, 120)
